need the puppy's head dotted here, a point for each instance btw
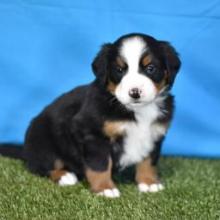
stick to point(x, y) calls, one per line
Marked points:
point(136, 68)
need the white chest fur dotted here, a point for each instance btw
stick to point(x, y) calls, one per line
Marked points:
point(141, 135)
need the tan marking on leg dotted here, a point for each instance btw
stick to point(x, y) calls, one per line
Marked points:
point(113, 129)
point(100, 181)
point(55, 175)
point(146, 173)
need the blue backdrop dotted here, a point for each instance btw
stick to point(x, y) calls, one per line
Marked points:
point(46, 48)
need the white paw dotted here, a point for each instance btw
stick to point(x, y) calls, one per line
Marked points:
point(143, 187)
point(68, 179)
point(110, 193)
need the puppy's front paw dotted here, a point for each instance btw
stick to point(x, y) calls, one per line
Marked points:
point(155, 187)
point(110, 193)
point(68, 179)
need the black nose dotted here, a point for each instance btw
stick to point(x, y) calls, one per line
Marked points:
point(135, 93)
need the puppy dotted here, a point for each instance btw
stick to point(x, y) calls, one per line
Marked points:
point(118, 120)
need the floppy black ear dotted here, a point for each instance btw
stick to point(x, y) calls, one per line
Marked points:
point(172, 60)
point(100, 64)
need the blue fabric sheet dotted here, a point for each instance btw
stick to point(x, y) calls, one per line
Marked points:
point(46, 48)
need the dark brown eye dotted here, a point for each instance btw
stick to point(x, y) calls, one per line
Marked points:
point(119, 70)
point(150, 69)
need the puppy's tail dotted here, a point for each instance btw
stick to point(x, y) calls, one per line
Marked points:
point(12, 150)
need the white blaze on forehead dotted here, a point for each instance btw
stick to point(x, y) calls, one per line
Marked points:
point(131, 50)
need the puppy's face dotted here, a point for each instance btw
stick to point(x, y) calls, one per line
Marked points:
point(136, 68)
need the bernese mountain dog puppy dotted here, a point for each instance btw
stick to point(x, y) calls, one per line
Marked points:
point(118, 120)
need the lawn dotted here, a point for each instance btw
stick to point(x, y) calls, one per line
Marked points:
point(192, 192)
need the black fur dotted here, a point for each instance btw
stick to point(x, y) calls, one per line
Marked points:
point(70, 128)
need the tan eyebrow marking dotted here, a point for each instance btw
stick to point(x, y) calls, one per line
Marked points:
point(120, 62)
point(146, 60)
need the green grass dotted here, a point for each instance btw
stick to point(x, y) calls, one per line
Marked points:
point(192, 192)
